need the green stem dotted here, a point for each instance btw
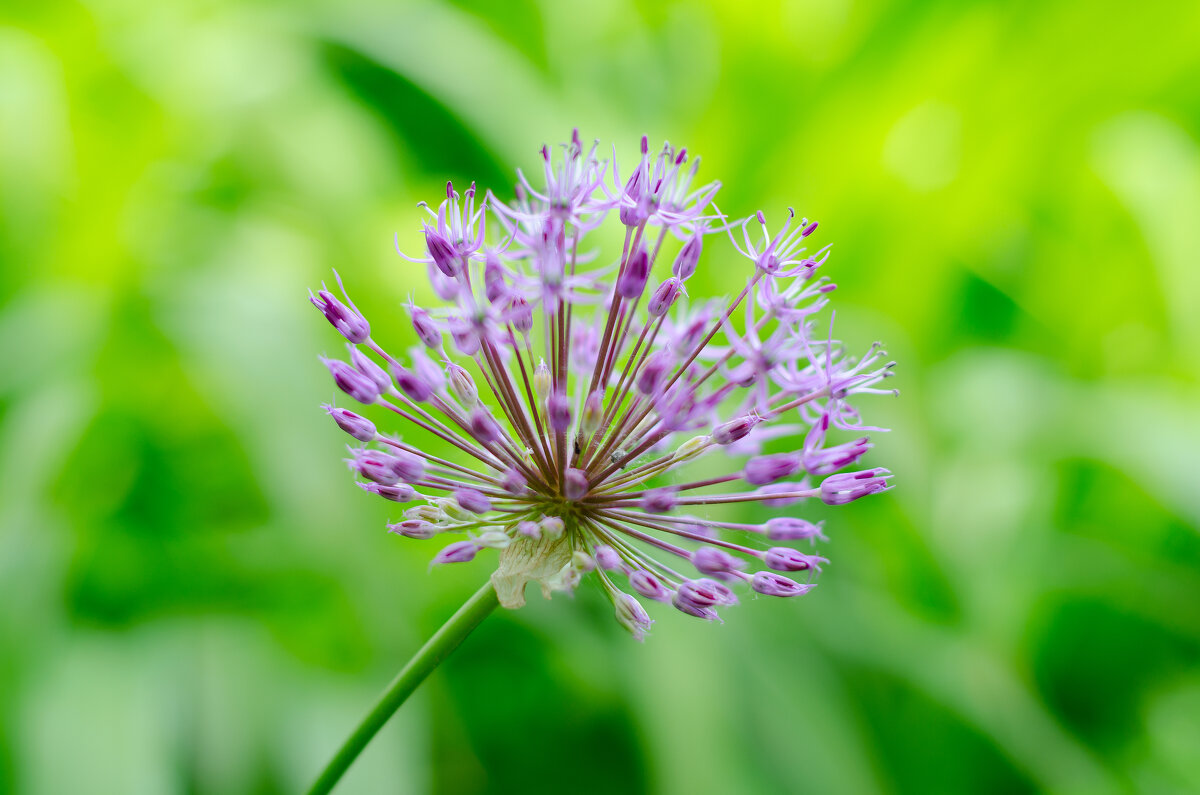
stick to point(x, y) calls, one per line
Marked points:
point(437, 649)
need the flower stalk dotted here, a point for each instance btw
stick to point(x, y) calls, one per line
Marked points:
point(423, 663)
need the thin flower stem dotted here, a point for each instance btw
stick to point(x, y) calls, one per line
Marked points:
point(437, 649)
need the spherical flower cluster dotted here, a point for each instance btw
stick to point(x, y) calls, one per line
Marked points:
point(569, 401)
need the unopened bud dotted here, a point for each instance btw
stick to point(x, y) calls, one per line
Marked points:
point(632, 280)
point(689, 256)
point(462, 385)
point(664, 296)
point(493, 539)
point(632, 616)
point(593, 411)
point(575, 484)
point(552, 526)
point(558, 409)
point(356, 425)
point(541, 379)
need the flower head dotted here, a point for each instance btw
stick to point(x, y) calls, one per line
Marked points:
point(555, 409)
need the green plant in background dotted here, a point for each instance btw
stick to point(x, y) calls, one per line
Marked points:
point(620, 399)
point(189, 602)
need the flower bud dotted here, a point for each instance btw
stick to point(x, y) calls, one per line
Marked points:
point(850, 486)
point(427, 330)
point(664, 297)
point(399, 492)
point(654, 372)
point(551, 526)
point(689, 256)
point(558, 410)
point(661, 500)
point(771, 584)
point(407, 466)
point(687, 606)
point(346, 319)
point(693, 447)
point(769, 468)
point(494, 286)
point(472, 500)
point(593, 413)
point(413, 386)
point(735, 430)
point(375, 466)
point(352, 382)
point(541, 379)
point(483, 426)
point(582, 561)
point(442, 252)
point(466, 340)
point(790, 528)
point(365, 365)
point(648, 585)
point(458, 552)
point(521, 315)
point(426, 513)
point(529, 529)
point(413, 528)
point(787, 559)
point(607, 558)
point(493, 539)
point(575, 484)
point(462, 385)
point(632, 280)
point(514, 482)
point(711, 560)
point(356, 425)
point(632, 616)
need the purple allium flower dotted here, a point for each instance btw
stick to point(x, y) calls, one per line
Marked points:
point(556, 403)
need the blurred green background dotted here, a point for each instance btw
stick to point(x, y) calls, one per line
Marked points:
point(194, 598)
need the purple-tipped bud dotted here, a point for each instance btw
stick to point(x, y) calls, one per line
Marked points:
point(850, 486)
point(472, 500)
point(408, 467)
point(787, 559)
point(365, 365)
point(442, 252)
point(632, 280)
point(575, 484)
point(466, 340)
point(529, 529)
point(346, 319)
point(607, 558)
point(358, 386)
point(711, 560)
point(691, 609)
point(483, 427)
point(823, 461)
point(427, 330)
point(494, 286)
point(771, 584)
point(375, 466)
point(514, 482)
point(769, 468)
point(632, 616)
point(356, 425)
point(735, 430)
point(458, 552)
point(558, 409)
point(462, 385)
point(648, 585)
point(662, 500)
point(664, 296)
point(654, 372)
point(414, 528)
point(704, 593)
point(412, 385)
point(791, 528)
point(399, 492)
point(689, 256)
point(520, 313)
